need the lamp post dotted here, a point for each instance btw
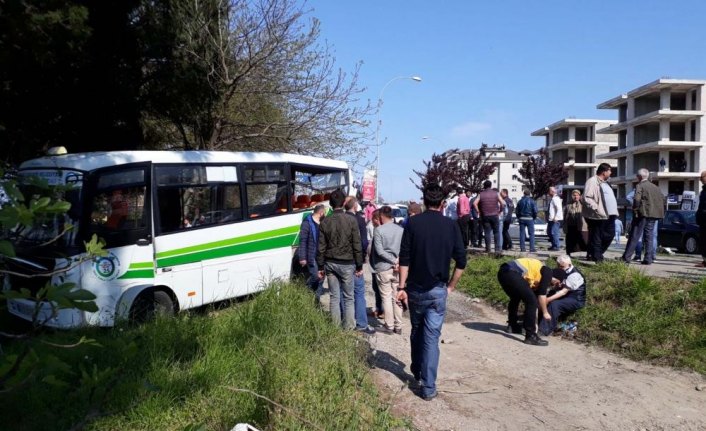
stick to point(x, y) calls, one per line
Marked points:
point(377, 131)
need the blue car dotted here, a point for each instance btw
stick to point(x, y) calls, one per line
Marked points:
point(679, 230)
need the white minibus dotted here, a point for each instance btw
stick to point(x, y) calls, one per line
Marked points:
point(182, 228)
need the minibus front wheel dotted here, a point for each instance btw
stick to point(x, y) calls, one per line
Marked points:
point(151, 303)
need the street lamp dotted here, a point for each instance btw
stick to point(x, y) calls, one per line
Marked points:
point(379, 126)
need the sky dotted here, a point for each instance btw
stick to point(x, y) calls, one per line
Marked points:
point(495, 71)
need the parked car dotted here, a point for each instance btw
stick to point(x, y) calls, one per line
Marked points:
point(679, 230)
point(540, 228)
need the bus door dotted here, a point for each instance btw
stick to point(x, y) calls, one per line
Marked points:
point(118, 210)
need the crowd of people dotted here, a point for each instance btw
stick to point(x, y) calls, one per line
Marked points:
point(590, 221)
point(410, 263)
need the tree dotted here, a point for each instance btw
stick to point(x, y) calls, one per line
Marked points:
point(262, 82)
point(539, 173)
point(246, 75)
point(473, 170)
point(453, 169)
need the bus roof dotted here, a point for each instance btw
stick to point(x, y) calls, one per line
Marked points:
point(91, 161)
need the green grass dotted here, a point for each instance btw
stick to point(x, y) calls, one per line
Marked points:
point(662, 320)
point(197, 370)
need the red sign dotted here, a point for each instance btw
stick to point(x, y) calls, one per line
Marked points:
point(369, 185)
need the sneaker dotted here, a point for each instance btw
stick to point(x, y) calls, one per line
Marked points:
point(534, 340)
point(513, 329)
point(397, 331)
point(430, 397)
point(366, 330)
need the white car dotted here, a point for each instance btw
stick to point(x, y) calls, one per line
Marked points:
point(540, 228)
point(399, 212)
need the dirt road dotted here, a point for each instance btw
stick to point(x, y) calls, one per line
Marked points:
point(490, 380)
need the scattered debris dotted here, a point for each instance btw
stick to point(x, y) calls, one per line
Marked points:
point(701, 387)
point(447, 341)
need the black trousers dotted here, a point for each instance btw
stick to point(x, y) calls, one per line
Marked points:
point(490, 230)
point(474, 227)
point(608, 233)
point(518, 289)
point(463, 224)
point(595, 239)
point(507, 241)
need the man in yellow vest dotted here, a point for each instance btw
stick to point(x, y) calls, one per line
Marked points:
point(526, 280)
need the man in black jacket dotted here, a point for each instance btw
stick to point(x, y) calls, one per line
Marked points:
point(340, 258)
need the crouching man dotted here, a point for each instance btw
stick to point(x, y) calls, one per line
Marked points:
point(526, 280)
point(569, 294)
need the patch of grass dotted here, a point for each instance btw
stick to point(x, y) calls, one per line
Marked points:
point(662, 320)
point(207, 369)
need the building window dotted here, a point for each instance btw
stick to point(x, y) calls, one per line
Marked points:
point(514, 166)
point(514, 178)
point(514, 188)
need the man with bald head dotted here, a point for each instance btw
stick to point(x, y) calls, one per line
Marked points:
point(648, 207)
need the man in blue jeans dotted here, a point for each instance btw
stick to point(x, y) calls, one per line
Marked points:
point(429, 242)
point(359, 304)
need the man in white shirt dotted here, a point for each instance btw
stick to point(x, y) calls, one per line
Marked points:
point(451, 209)
point(554, 219)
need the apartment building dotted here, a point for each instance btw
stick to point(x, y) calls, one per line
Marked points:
point(507, 164)
point(660, 127)
point(575, 143)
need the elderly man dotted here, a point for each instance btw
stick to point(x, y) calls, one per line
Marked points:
point(596, 213)
point(648, 207)
point(567, 296)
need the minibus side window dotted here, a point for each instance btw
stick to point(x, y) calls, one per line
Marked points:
point(266, 189)
point(197, 196)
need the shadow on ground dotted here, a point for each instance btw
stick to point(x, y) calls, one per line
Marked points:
point(492, 328)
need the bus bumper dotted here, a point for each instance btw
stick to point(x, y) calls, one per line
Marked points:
point(64, 319)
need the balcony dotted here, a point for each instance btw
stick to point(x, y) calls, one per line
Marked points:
point(654, 116)
point(572, 144)
point(652, 146)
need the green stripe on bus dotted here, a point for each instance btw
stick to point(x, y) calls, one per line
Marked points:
point(226, 243)
point(141, 265)
point(142, 273)
point(231, 250)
